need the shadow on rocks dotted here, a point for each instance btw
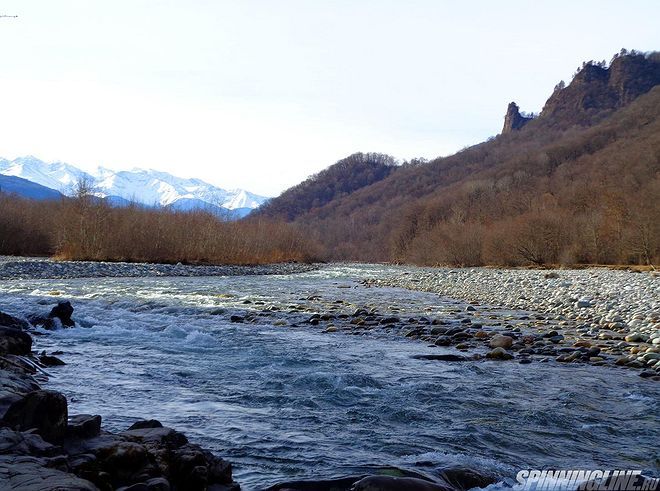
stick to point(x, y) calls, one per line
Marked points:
point(454, 478)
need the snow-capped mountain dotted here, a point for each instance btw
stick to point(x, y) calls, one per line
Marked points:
point(55, 175)
point(148, 187)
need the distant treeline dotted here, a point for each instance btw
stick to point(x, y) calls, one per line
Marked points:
point(87, 228)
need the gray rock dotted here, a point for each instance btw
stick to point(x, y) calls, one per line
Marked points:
point(442, 357)
point(13, 386)
point(43, 410)
point(500, 341)
point(461, 477)
point(389, 483)
point(63, 311)
point(24, 473)
point(443, 341)
point(339, 484)
point(556, 339)
point(84, 426)
point(166, 437)
point(499, 353)
point(21, 443)
point(14, 341)
point(146, 423)
point(50, 361)
point(7, 320)
point(155, 484)
point(636, 337)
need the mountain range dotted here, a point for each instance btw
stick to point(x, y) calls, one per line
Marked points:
point(145, 187)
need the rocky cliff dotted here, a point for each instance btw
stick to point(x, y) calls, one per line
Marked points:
point(598, 90)
point(513, 120)
point(595, 92)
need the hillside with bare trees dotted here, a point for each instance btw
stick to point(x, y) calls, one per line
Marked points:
point(579, 183)
point(341, 179)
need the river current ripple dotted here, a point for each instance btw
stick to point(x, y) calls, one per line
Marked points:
point(293, 402)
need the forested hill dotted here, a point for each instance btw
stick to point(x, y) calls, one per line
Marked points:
point(337, 181)
point(578, 183)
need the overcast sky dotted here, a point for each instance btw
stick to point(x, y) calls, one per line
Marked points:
point(259, 94)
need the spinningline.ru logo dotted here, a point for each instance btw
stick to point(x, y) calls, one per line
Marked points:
point(585, 480)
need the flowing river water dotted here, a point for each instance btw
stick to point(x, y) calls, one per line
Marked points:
point(286, 402)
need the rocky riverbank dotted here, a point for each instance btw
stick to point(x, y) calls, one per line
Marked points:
point(43, 447)
point(597, 316)
point(21, 268)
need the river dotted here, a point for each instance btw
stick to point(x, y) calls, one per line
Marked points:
point(283, 402)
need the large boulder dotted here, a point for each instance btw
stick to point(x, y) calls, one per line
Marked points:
point(145, 423)
point(84, 426)
point(42, 410)
point(127, 463)
point(144, 458)
point(156, 437)
point(63, 311)
point(195, 468)
point(379, 478)
point(339, 484)
point(465, 478)
point(50, 361)
point(21, 443)
point(187, 466)
point(389, 483)
point(7, 320)
point(14, 341)
point(25, 473)
point(13, 386)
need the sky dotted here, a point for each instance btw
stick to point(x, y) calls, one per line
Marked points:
point(261, 94)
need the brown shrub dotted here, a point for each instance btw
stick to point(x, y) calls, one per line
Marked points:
point(87, 228)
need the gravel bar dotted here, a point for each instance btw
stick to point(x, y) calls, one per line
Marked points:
point(615, 310)
point(21, 268)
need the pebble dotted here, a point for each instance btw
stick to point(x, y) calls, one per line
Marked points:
point(636, 338)
point(499, 353)
point(500, 341)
